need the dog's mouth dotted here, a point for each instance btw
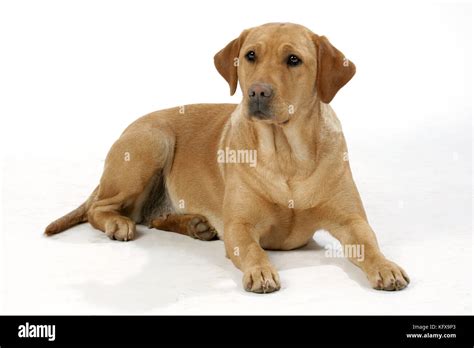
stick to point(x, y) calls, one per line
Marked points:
point(264, 113)
point(261, 115)
point(271, 120)
point(260, 110)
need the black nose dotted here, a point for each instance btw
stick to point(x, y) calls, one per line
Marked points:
point(260, 91)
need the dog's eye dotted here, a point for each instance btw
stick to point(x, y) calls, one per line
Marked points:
point(293, 60)
point(250, 56)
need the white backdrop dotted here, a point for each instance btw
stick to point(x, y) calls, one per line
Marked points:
point(74, 74)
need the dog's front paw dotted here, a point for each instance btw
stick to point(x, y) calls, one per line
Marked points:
point(261, 279)
point(387, 275)
point(120, 228)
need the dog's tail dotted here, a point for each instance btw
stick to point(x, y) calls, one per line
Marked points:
point(73, 218)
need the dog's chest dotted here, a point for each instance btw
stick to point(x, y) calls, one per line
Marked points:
point(293, 202)
point(294, 193)
point(290, 228)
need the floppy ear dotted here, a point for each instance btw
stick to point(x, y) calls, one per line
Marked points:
point(334, 71)
point(227, 61)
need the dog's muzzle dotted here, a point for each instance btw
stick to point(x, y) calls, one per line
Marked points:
point(260, 97)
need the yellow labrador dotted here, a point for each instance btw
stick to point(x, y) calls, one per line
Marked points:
point(263, 174)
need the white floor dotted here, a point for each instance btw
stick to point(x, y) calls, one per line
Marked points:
point(416, 186)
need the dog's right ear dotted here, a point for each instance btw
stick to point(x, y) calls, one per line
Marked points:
point(227, 61)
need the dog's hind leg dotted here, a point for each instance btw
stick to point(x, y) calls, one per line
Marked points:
point(132, 163)
point(192, 225)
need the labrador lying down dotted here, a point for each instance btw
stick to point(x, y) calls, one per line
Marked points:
point(263, 174)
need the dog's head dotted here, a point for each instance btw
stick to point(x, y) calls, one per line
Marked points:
point(282, 68)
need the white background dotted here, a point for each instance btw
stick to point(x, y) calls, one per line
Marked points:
point(74, 74)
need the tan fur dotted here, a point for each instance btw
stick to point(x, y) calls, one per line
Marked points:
point(302, 181)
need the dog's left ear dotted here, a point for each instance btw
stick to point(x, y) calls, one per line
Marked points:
point(227, 61)
point(334, 70)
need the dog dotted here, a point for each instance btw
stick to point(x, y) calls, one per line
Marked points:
point(261, 175)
